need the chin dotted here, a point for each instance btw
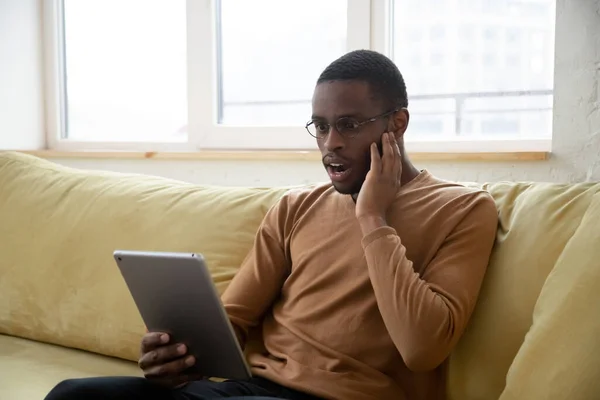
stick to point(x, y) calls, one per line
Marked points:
point(343, 189)
point(347, 188)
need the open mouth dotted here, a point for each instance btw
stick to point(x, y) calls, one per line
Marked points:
point(338, 172)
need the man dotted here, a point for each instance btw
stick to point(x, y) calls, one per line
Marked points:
point(362, 286)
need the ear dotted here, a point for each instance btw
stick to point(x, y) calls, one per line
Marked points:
point(399, 122)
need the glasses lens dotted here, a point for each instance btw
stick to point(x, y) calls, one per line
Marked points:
point(347, 126)
point(310, 127)
point(318, 129)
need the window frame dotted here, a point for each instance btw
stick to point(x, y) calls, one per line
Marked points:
point(369, 27)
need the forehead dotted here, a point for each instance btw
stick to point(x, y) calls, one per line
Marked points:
point(334, 99)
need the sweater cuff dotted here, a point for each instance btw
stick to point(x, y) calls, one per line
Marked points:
point(377, 234)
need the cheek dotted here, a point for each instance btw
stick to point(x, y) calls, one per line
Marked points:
point(363, 158)
point(366, 148)
point(320, 145)
point(366, 155)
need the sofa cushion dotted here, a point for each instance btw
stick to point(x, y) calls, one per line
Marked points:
point(60, 226)
point(544, 245)
point(560, 356)
point(31, 369)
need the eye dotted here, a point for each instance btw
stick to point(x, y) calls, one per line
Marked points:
point(321, 127)
point(347, 124)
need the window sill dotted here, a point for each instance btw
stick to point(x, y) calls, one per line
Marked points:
point(266, 155)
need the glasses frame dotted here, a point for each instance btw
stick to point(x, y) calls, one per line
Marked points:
point(355, 132)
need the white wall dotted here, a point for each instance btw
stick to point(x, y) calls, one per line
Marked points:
point(21, 103)
point(576, 140)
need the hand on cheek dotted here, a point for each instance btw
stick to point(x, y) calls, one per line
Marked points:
point(381, 185)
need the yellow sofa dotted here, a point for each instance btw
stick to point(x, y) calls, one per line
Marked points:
point(66, 312)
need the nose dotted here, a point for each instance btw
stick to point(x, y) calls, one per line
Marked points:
point(334, 140)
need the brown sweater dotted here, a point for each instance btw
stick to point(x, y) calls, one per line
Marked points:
point(375, 317)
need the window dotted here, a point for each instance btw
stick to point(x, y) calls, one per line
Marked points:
point(239, 74)
point(125, 83)
point(497, 63)
point(268, 78)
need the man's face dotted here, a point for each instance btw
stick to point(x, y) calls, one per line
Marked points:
point(347, 159)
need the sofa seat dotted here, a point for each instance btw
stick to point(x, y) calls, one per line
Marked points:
point(30, 369)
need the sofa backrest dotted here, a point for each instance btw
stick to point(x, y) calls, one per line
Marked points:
point(533, 334)
point(59, 227)
point(59, 283)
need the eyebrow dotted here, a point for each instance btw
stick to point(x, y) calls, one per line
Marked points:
point(356, 115)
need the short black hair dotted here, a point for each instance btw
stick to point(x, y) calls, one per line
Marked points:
point(372, 67)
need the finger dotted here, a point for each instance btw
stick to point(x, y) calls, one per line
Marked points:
point(171, 369)
point(389, 154)
point(375, 159)
point(152, 340)
point(162, 355)
point(397, 157)
point(396, 146)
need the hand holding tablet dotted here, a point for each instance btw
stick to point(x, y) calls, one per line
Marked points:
point(175, 295)
point(164, 362)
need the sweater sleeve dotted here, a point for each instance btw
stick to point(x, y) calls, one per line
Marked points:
point(426, 315)
point(261, 275)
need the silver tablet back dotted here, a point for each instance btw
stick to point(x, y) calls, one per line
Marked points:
point(174, 293)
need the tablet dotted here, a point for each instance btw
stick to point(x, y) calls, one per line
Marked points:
point(175, 294)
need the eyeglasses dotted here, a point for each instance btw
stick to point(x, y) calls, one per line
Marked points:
point(346, 126)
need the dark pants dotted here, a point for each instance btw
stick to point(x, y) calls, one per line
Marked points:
point(133, 388)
